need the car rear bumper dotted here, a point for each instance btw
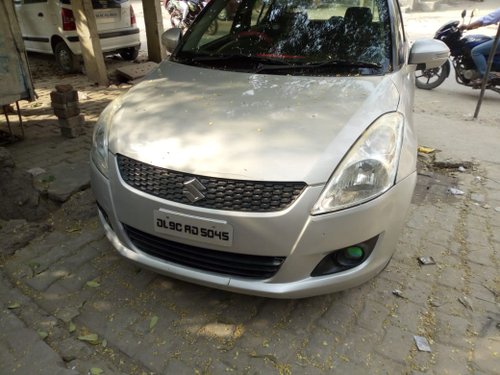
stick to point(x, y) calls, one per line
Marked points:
point(110, 41)
point(301, 239)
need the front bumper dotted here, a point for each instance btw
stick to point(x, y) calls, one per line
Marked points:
point(292, 233)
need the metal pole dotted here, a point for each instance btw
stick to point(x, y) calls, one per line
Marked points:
point(488, 68)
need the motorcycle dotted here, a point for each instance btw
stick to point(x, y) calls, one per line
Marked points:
point(460, 56)
point(194, 8)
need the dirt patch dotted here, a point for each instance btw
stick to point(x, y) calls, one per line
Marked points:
point(20, 199)
point(77, 210)
point(23, 211)
point(43, 66)
point(438, 180)
point(16, 234)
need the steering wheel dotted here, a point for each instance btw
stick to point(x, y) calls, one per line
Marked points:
point(255, 34)
point(247, 34)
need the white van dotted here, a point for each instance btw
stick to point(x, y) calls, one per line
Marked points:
point(48, 26)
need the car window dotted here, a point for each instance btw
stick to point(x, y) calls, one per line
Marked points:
point(321, 37)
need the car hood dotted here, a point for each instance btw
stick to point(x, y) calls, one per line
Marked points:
point(247, 126)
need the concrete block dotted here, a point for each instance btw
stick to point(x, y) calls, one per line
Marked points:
point(64, 88)
point(67, 113)
point(136, 71)
point(72, 122)
point(70, 132)
point(66, 105)
point(64, 97)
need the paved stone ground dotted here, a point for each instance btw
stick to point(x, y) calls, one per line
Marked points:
point(70, 305)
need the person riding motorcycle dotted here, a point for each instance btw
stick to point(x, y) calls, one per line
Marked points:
point(480, 52)
point(183, 6)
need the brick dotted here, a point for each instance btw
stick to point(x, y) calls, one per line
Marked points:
point(396, 344)
point(358, 345)
point(70, 132)
point(453, 277)
point(407, 317)
point(337, 319)
point(64, 97)
point(69, 105)
point(72, 122)
point(481, 256)
point(64, 88)
point(452, 329)
point(477, 237)
point(438, 236)
point(450, 360)
point(373, 316)
point(67, 113)
point(487, 349)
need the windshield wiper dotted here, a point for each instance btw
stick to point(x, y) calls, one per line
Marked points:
point(322, 64)
point(265, 63)
point(237, 58)
point(250, 63)
point(354, 64)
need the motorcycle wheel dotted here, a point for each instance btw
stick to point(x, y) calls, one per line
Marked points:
point(431, 78)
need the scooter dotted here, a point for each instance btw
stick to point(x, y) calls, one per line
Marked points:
point(194, 8)
point(460, 56)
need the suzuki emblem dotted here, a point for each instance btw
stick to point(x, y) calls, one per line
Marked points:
point(193, 190)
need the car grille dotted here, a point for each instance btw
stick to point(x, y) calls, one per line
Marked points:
point(219, 193)
point(230, 264)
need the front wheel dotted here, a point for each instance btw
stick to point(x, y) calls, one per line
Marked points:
point(431, 78)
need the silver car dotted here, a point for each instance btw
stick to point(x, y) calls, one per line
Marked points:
point(274, 158)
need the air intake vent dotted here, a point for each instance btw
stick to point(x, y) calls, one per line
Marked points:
point(221, 262)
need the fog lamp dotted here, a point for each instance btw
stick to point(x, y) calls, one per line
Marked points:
point(354, 252)
point(346, 258)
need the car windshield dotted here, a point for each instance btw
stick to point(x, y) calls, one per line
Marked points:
point(298, 37)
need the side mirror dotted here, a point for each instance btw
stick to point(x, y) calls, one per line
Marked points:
point(428, 54)
point(171, 38)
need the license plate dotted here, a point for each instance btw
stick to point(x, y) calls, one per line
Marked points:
point(107, 15)
point(216, 232)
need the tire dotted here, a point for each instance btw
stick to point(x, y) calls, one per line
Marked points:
point(431, 78)
point(67, 61)
point(129, 54)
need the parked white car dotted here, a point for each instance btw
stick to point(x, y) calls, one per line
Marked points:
point(48, 26)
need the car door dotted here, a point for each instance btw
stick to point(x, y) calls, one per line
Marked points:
point(36, 18)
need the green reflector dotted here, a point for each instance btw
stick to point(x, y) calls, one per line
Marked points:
point(355, 252)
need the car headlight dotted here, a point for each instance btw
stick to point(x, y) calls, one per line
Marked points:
point(100, 137)
point(369, 168)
